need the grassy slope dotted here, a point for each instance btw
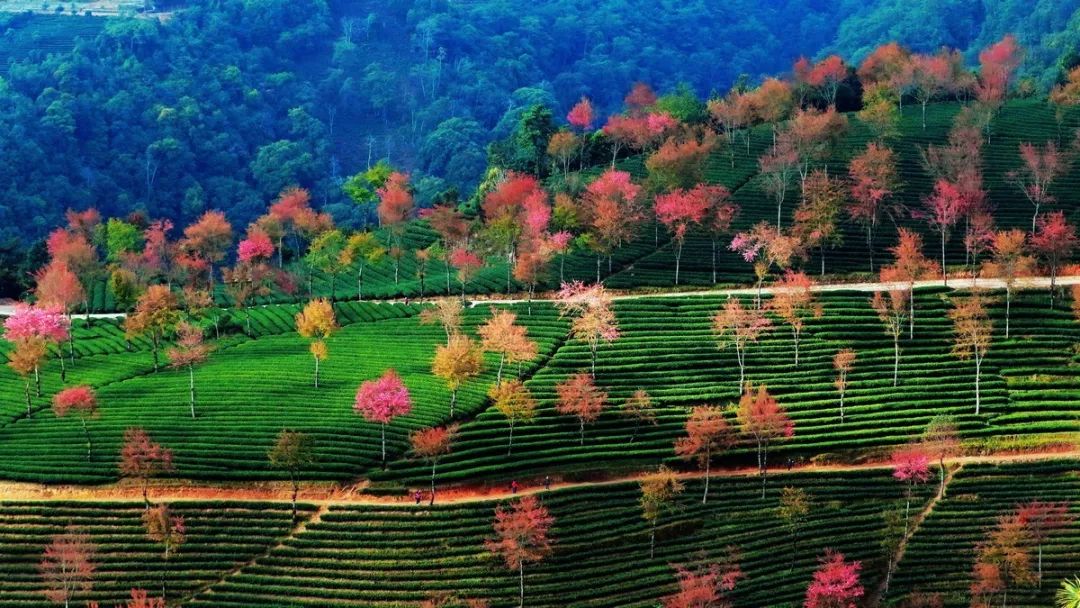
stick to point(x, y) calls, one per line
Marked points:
point(248, 392)
point(667, 348)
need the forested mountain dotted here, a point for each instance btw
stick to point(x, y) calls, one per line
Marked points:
point(223, 104)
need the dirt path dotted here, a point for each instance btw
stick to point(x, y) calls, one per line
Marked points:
point(882, 588)
point(7, 308)
point(954, 283)
point(323, 495)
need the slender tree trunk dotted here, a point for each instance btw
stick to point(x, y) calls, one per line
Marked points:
point(795, 333)
point(896, 360)
point(453, 401)
point(26, 391)
point(978, 377)
point(911, 311)
point(944, 273)
point(498, 375)
point(521, 584)
point(714, 261)
point(360, 284)
point(708, 466)
point(581, 431)
point(316, 371)
point(652, 540)
point(598, 270)
point(510, 442)
point(86, 432)
point(191, 388)
point(63, 364)
point(941, 474)
point(37, 381)
point(678, 256)
point(146, 493)
point(740, 356)
point(384, 445)
point(764, 467)
point(1008, 305)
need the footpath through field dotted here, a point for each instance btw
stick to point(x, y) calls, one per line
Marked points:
point(332, 495)
point(7, 308)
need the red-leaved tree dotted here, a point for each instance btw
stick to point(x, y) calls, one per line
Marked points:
point(382, 400)
point(579, 397)
point(81, 401)
point(141, 458)
point(521, 536)
point(835, 583)
point(68, 566)
point(1054, 240)
point(763, 420)
point(708, 434)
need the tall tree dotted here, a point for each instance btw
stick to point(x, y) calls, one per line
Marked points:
point(1055, 241)
point(680, 210)
point(206, 242)
point(81, 401)
point(68, 566)
point(941, 439)
point(155, 313)
point(793, 301)
point(142, 458)
point(639, 406)
point(835, 583)
point(1042, 518)
point(793, 510)
point(382, 400)
point(613, 208)
point(1002, 562)
point(431, 445)
point(909, 265)
point(521, 536)
point(706, 586)
point(190, 350)
point(943, 209)
point(972, 332)
point(456, 363)
point(395, 208)
point(447, 313)
point(1042, 165)
point(58, 287)
point(892, 311)
point(763, 419)
point(816, 216)
point(874, 180)
point(826, 76)
point(169, 530)
point(592, 318)
point(578, 396)
point(362, 249)
point(25, 360)
point(292, 451)
point(658, 493)
point(778, 168)
point(766, 247)
point(1009, 261)
point(739, 326)
point(931, 76)
point(502, 335)
point(513, 400)
point(46, 325)
point(843, 363)
point(317, 323)
point(327, 255)
point(708, 434)
point(911, 466)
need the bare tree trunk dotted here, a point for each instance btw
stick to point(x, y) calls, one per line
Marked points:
point(191, 388)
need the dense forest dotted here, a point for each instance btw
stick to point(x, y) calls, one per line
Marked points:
point(224, 104)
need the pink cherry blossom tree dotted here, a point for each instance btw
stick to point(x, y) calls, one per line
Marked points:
point(382, 400)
